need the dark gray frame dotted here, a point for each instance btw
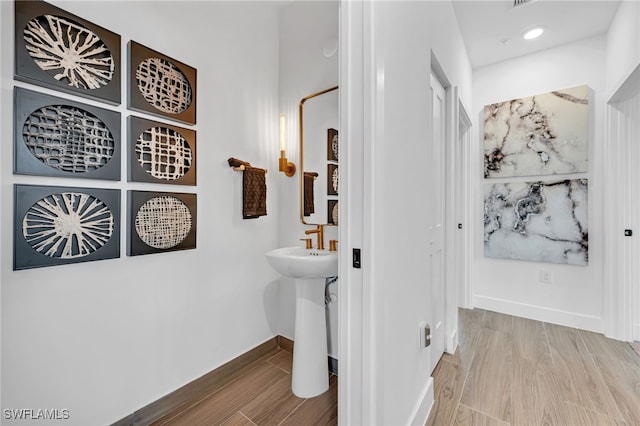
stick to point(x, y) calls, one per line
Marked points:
point(135, 173)
point(27, 70)
point(135, 100)
point(135, 200)
point(25, 103)
point(330, 205)
point(330, 168)
point(330, 155)
point(25, 196)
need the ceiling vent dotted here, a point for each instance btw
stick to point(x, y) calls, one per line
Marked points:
point(517, 3)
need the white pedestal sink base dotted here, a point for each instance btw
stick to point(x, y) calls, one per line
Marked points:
point(310, 375)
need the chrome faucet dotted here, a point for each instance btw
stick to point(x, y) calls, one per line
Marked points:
point(319, 231)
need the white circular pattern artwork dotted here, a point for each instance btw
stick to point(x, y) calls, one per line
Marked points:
point(163, 85)
point(163, 222)
point(75, 53)
point(334, 180)
point(335, 146)
point(334, 214)
point(68, 225)
point(163, 153)
point(67, 138)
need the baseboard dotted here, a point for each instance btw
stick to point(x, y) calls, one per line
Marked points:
point(539, 313)
point(452, 342)
point(181, 397)
point(285, 343)
point(333, 365)
point(423, 407)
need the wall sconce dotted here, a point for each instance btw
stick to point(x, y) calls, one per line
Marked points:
point(285, 165)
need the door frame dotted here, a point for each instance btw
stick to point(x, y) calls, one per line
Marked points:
point(462, 247)
point(439, 76)
point(358, 389)
point(622, 211)
point(457, 247)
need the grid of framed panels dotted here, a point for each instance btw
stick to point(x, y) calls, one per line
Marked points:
point(333, 149)
point(61, 137)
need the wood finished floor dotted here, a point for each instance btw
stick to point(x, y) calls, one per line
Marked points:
point(260, 396)
point(506, 371)
point(513, 371)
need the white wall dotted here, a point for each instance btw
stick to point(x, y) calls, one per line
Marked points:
point(102, 339)
point(305, 28)
point(623, 44)
point(397, 197)
point(575, 296)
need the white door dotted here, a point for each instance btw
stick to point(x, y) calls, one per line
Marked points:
point(437, 221)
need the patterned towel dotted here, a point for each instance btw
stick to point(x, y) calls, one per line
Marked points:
point(254, 193)
point(309, 203)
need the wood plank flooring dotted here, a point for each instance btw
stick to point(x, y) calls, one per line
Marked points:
point(513, 371)
point(261, 396)
point(507, 371)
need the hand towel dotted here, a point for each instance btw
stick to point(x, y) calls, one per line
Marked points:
point(309, 203)
point(254, 193)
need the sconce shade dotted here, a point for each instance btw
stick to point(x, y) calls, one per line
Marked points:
point(284, 165)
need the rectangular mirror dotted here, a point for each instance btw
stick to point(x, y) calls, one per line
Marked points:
point(319, 157)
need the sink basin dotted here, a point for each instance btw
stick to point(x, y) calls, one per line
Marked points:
point(298, 262)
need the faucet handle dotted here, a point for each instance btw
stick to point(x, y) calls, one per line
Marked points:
point(332, 245)
point(307, 242)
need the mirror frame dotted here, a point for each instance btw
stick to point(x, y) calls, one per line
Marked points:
point(301, 160)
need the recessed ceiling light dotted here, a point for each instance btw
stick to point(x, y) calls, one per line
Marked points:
point(533, 33)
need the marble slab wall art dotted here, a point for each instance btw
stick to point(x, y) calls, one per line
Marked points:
point(537, 221)
point(545, 134)
point(62, 51)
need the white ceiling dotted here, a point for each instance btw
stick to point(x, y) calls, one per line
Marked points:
point(486, 23)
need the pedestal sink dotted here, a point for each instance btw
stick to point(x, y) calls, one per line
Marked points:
point(309, 268)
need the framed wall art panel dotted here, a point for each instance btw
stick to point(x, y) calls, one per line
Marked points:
point(545, 134)
point(332, 179)
point(332, 210)
point(160, 222)
point(333, 145)
point(161, 85)
point(161, 153)
point(62, 138)
point(61, 51)
point(56, 225)
point(537, 221)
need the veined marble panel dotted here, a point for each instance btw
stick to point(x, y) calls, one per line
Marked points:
point(546, 134)
point(537, 221)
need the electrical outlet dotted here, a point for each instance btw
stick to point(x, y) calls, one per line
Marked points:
point(546, 276)
point(427, 336)
point(424, 335)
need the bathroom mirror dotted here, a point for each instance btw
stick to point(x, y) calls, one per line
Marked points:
point(319, 157)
